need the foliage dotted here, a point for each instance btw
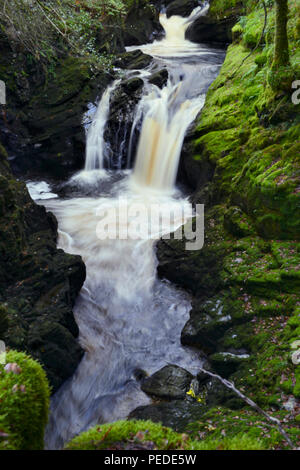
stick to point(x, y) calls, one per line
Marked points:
point(48, 29)
point(129, 435)
point(241, 429)
point(24, 398)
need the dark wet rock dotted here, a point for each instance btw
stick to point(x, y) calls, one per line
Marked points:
point(142, 23)
point(121, 117)
point(170, 382)
point(207, 325)
point(38, 283)
point(132, 85)
point(181, 7)
point(207, 29)
point(134, 60)
point(196, 174)
point(216, 394)
point(226, 363)
point(176, 414)
point(140, 26)
point(216, 25)
point(45, 134)
point(159, 78)
point(199, 272)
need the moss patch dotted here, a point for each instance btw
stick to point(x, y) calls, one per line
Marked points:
point(24, 398)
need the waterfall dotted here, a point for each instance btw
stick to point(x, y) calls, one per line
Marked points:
point(128, 319)
point(166, 119)
point(96, 148)
point(166, 113)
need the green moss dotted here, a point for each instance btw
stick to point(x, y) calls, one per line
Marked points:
point(237, 442)
point(128, 433)
point(237, 32)
point(24, 398)
point(222, 8)
point(281, 79)
point(241, 428)
point(124, 435)
point(261, 59)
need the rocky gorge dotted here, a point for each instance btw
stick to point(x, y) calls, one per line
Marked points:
point(240, 159)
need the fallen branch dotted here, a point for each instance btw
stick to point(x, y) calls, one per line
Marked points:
point(250, 402)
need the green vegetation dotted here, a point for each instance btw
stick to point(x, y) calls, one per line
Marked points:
point(128, 435)
point(24, 398)
point(244, 427)
point(48, 29)
point(248, 136)
point(249, 132)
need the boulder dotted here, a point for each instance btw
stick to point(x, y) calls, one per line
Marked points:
point(134, 60)
point(207, 29)
point(159, 78)
point(177, 414)
point(226, 363)
point(170, 382)
point(208, 323)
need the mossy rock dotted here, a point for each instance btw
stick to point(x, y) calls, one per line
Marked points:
point(24, 397)
point(237, 32)
point(170, 382)
point(281, 79)
point(130, 435)
point(146, 435)
point(220, 421)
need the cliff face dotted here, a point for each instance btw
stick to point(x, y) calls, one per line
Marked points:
point(38, 282)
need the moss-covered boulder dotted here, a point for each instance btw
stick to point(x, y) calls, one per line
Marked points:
point(129, 435)
point(24, 398)
point(146, 435)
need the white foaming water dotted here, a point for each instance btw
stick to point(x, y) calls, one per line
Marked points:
point(40, 190)
point(128, 319)
point(165, 122)
point(95, 144)
point(174, 43)
point(168, 113)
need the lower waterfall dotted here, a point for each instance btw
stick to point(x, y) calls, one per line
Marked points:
point(130, 321)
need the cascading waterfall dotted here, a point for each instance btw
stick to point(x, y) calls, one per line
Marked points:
point(95, 143)
point(168, 113)
point(164, 127)
point(128, 319)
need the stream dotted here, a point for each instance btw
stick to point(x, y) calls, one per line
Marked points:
point(129, 321)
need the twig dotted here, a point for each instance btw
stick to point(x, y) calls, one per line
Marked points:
point(250, 402)
point(54, 26)
point(258, 43)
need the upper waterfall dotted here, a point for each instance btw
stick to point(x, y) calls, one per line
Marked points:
point(163, 115)
point(168, 113)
